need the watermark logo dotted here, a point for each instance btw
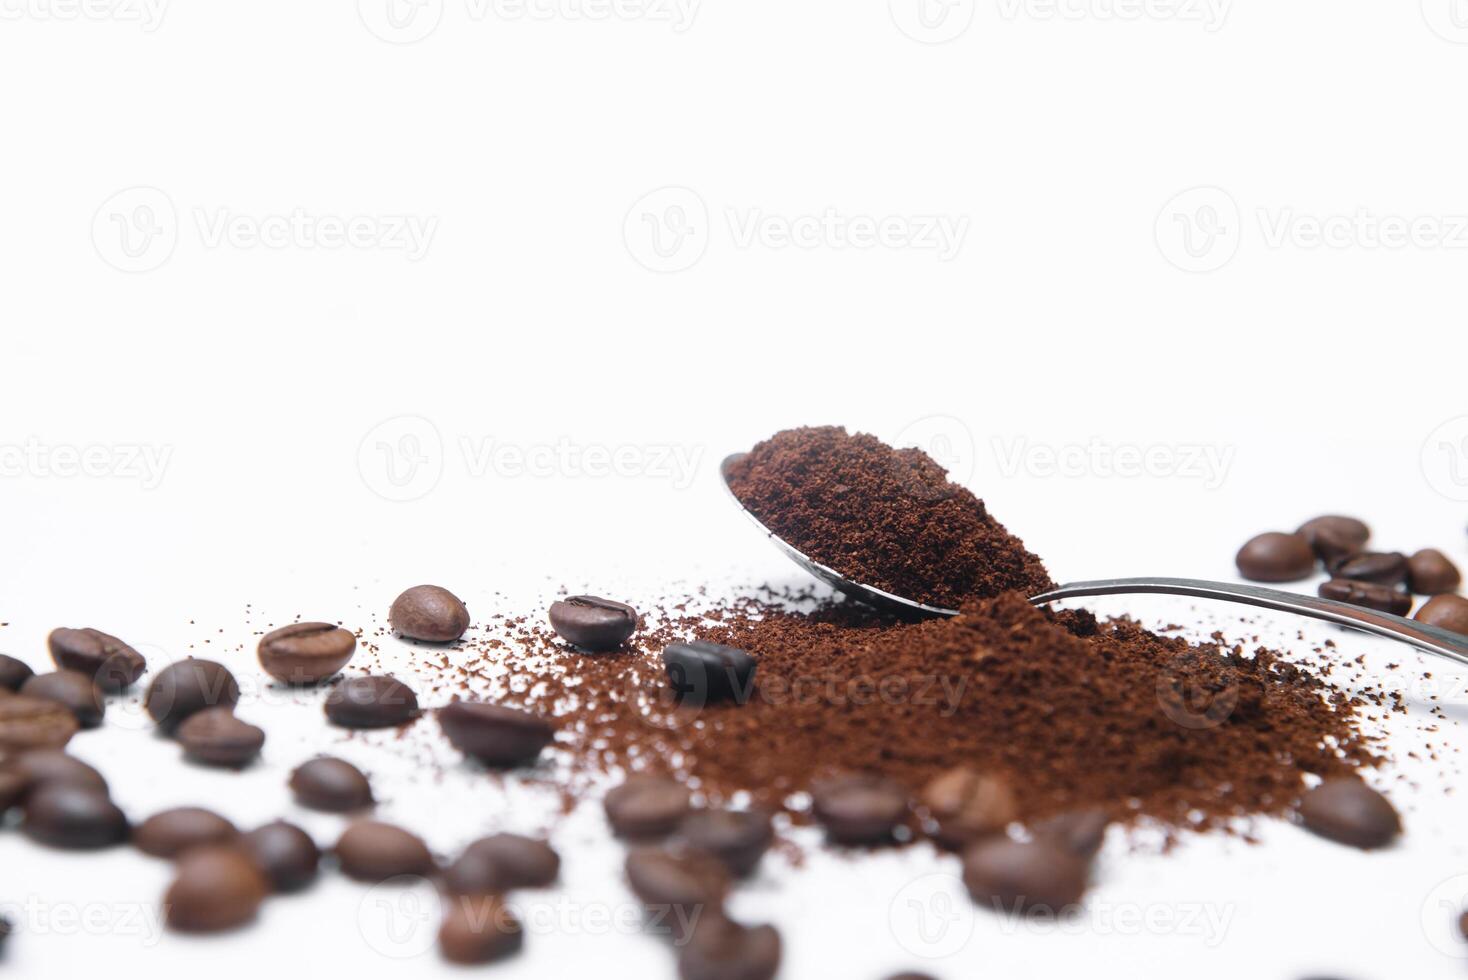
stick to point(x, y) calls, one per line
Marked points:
point(401, 459)
point(1444, 913)
point(1445, 459)
point(1447, 18)
point(399, 917)
point(1191, 704)
point(931, 917)
point(142, 463)
point(948, 441)
point(400, 21)
point(932, 21)
point(1362, 229)
point(136, 230)
point(1199, 230)
point(667, 230)
point(1204, 463)
point(147, 14)
point(1211, 14)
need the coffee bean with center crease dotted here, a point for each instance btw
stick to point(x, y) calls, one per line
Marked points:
point(739, 838)
point(965, 805)
point(859, 808)
point(593, 623)
point(1347, 530)
point(678, 887)
point(331, 784)
point(216, 888)
point(216, 737)
point(1028, 877)
point(494, 734)
point(46, 766)
point(647, 807)
point(1276, 557)
point(13, 672)
point(497, 864)
point(29, 723)
point(1450, 612)
point(479, 929)
point(72, 689)
point(112, 664)
point(702, 673)
point(721, 949)
point(1346, 810)
point(374, 851)
point(1082, 832)
point(1368, 594)
point(74, 817)
point(1429, 572)
point(305, 653)
point(1378, 567)
point(429, 613)
point(171, 832)
point(189, 686)
point(285, 853)
point(372, 701)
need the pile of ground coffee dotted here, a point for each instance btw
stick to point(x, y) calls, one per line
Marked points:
point(884, 517)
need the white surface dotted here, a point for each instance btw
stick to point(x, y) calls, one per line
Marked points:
point(533, 312)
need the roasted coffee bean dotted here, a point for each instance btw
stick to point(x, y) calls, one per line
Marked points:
point(647, 807)
point(110, 663)
point(1346, 529)
point(370, 850)
point(1348, 811)
point(910, 976)
point(34, 723)
point(1379, 567)
point(739, 838)
point(373, 701)
point(13, 672)
point(721, 949)
point(305, 653)
point(331, 784)
point(1463, 925)
point(1368, 594)
point(284, 853)
point(1449, 612)
point(1430, 572)
point(497, 864)
point(73, 817)
point(47, 766)
point(479, 929)
point(965, 805)
point(494, 734)
point(1082, 832)
point(702, 673)
point(592, 623)
point(14, 784)
point(678, 887)
point(1276, 557)
point(1329, 545)
point(216, 737)
point(216, 888)
point(429, 613)
point(188, 686)
point(859, 808)
point(72, 689)
point(1013, 876)
point(170, 833)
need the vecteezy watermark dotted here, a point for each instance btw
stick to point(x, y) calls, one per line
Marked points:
point(146, 14)
point(1189, 701)
point(1447, 18)
point(1443, 913)
point(667, 230)
point(401, 458)
point(932, 21)
point(410, 21)
point(142, 921)
point(1445, 459)
point(1210, 14)
point(931, 917)
point(144, 463)
point(1205, 463)
point(138, 230)
point(1208, 922)
point(1199, 229)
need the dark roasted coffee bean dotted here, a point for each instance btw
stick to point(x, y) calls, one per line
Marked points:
point(13, 672)
point(1345, 529)
point(370, 850)
point(647, 807)
point(706, 672)
point(112, 664)
point(74, 817)
point(284, 853)
point(47, 766)
point(859, 808)
point(1329, 545)
point(1276, 557)
point(965, 805)
point(1082, 832)
point(216, 737)
point(1013, 876)
point(1348, 811)
point(1368, 594)
point(592, 623)
point(910, 976)
point(373, 701)
point(721, 949)
point(678, 887)
point(1378, 567)
point(331, 784)
point(188, 686)
point(305, 653)
point(216, 888)
point(34, 723)
point(1429, 572)
point(170, 833)
point(479, 929)
point(429, 613)
point(1449, 612)
point(494, 734)
point(14, 785)
point(739, 838)
point(72, 689)
point(497, 864)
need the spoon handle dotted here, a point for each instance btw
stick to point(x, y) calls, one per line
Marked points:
point(1433, 639)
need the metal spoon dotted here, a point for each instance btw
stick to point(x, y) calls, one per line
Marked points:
point(1433, 639)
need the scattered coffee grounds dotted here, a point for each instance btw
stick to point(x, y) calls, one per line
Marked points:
point(883, 517)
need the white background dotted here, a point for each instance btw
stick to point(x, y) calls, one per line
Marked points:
point(1230, 235)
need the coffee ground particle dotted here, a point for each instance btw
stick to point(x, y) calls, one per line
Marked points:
point(884, 517)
